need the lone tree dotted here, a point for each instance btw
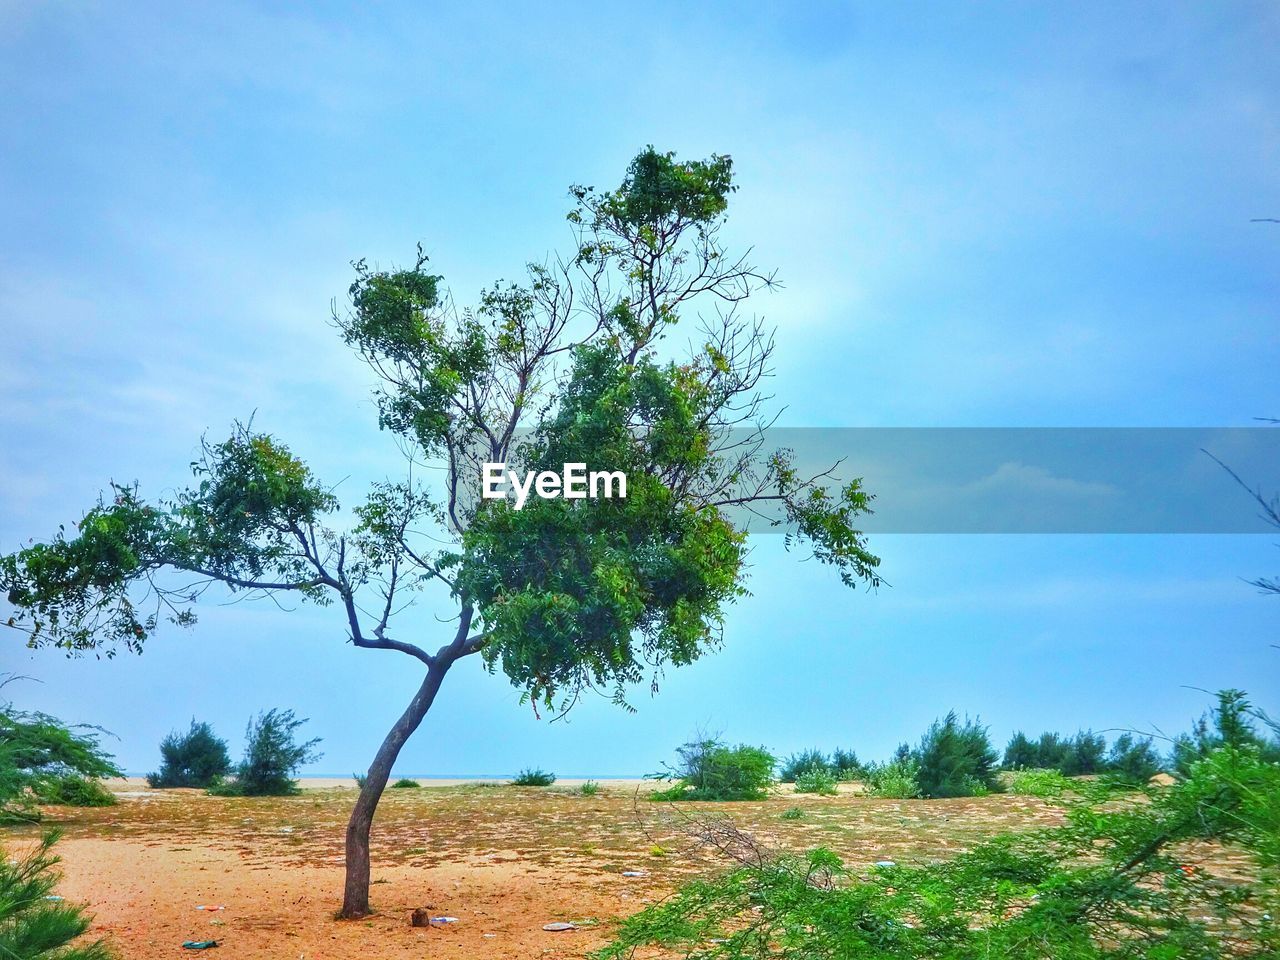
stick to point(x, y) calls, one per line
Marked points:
point(569, 366)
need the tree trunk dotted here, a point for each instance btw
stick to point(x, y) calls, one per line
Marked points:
point(355, 898)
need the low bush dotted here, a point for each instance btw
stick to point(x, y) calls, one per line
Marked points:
point(792, 813)
point(820, 781)
point(709, 770)
point(895, 780)
point(956, 759)
point(73, 790)
point(196, 758)
point(533, 777)
point(33, 922)
point(589, 789)
point(406, 784)
point(1038, 783)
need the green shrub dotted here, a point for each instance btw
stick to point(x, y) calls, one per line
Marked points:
point(73, 790)
point(32, 925)
point(800, 763)
point(1038, 783)
point(533, 777)
point(709, 770)
point(1133, 760)
point(1118, 880)
point(956, 759)
point(1230, 723)
point(589, 789)
point(405, 784)
point(895, 780)
point(846, 766)
point(792, 813)
point(815, 780)
point(272, 756)
point(37, 752)
point(196, 758)
point(1085, 753)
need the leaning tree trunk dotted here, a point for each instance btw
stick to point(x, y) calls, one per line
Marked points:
point(355, 898)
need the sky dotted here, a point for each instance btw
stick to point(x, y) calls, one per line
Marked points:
point(984, 215)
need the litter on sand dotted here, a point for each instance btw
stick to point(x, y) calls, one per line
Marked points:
point(441, 921)
point(54, 897)
point(205, 907)
point(558, 927)
point(885, 863)
point(199, 944)
point(633, 873)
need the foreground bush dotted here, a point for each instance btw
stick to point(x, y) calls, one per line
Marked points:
point(1231, 721)
point(272, 756)
point(956, 759)
point(405, 784)
point(1121, 879)
point(533, 777)
point(709, 770)
point(196, 758)
point(38, 753)
point(32, 926)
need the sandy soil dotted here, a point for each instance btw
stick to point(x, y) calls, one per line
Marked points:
point(502, 860)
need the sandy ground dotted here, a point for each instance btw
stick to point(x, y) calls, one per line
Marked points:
point(502, 860)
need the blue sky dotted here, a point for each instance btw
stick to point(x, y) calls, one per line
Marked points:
point(985, 215)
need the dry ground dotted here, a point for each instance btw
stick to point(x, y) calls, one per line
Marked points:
point(503, 860)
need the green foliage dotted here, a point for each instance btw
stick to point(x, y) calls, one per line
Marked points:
point(792, 813)
point(1120, 879)
point(1038, 783)
point(236, 525)
point(38, 753)
point(1083, 754)
point(196, 758)
point(816, 780)
point(272, 755)
point(895, 780)
point(1133, 760)
point(73, 790)
point(405, 784)
point(589, 789)
point(709, 770)
point(956, 759)
point(533, 777)
point(846, 765)
point(1231, 722)
point(31, 924)
point(803, 762)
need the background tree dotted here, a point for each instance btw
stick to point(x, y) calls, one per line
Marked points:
point(956, 759)
point(197, 758)
point(272, 756)
point(571, 365)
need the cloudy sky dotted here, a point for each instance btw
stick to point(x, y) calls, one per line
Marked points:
point(985, 215)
